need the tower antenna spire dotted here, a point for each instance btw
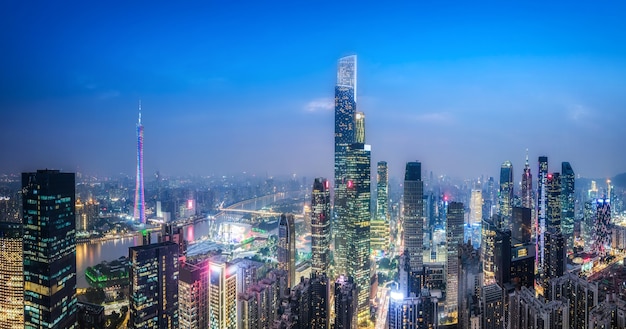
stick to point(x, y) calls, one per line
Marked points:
point(139, 111)
point(527, 156)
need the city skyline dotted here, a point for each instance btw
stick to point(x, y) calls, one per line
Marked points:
point(431, 78)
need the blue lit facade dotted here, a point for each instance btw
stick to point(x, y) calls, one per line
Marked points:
point(49, 250)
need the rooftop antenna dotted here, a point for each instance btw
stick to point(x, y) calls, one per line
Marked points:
point(140, 111)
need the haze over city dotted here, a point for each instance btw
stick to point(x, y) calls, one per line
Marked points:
point(228, 87)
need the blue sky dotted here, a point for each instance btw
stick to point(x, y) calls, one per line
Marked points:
point(230, 86)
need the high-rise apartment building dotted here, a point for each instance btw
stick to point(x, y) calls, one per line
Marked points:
point(222, 294)
point(413, 223)
point(49, 249)
point(357, 223)
point(493, 307)
point(470, 283)
point(140, 203)
point(320, 302)
point(345, 132)
point(581, 295)
point(320, 226)
point(454, 240)
point(568, 202)
point(153, 291)
point(603, 230)
point(528, 311)
point(193, 295)
point(287, 247)
point(505, 196)
point(345, 303)
point(487, 248)
point(412, 312)
point(11, 276)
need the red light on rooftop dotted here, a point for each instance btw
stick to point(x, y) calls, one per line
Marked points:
point(327, 185)
point(350, 184)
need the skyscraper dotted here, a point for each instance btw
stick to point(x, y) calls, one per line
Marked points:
point(487, 249)
point(320, 301)
point(140, 204)
point(345, 303)
point(193, 295)
point(542, 176)
point(320, 226)
point(380, 223)
point(568, 202)
point(553, 205)
point(345, 121)
point(359, 136)
point(602, 232)
point(527, 185)
point(522, 229)
point(153, 277)
point(505, 198)
point(287, 247)
point(223, 295)
point(11, 276)
point(413, 222)
point(382, 191)
point(357, 223)
point(476, 207)
point(49, 248)
point(454, 234)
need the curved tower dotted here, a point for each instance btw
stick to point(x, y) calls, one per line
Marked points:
point(140, 214)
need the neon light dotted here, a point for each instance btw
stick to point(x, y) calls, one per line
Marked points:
point(140, 214)
point(189, 204)
point(327, 185)
point(350, 184)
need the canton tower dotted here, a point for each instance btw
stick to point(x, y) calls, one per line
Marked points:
point(140, 211)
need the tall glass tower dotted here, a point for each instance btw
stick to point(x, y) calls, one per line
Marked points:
point(140, 214)
point(357, 224)
point(380, 222)
point(505, 199)
point(413, 225)
point(568, 201)
point(542, 177)
point(287, 247)
point(49, 249)
point(527, 186)
point(345, 122)
point(320, 226)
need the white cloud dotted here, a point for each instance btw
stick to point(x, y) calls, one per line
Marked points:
point(577, 112)
point(320, 105)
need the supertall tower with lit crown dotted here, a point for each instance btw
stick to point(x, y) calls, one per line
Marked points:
point(140, 214)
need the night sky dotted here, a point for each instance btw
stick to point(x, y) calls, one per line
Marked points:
point(232, 86)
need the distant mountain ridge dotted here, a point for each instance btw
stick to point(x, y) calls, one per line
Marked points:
point(619, 180)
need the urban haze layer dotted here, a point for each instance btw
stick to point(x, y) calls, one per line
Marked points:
point(535, 247)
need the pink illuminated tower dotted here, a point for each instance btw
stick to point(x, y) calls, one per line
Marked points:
point(140, 214)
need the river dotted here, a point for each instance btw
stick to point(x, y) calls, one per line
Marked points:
point(90, 254)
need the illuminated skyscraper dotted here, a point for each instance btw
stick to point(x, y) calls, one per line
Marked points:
point(193, 291)
point(476, 207)
point(320, 302)
point(380, 224)
point(320, 226)
point(357, 224)
point(48, 204)
point(359, 136)
point(345, 121)
point(140, 214)
point(568, 202)
point(505, 198)
point(287, 247)
point(553, 204)
point(11, 276)
point(603, 230)
point(222, 295)
point(521, 232)
point(527, 185)
point(153, 291)
point(487, 251)
point(454, 234)
point(542, 176)
point(413, 223)
point(345, 303)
